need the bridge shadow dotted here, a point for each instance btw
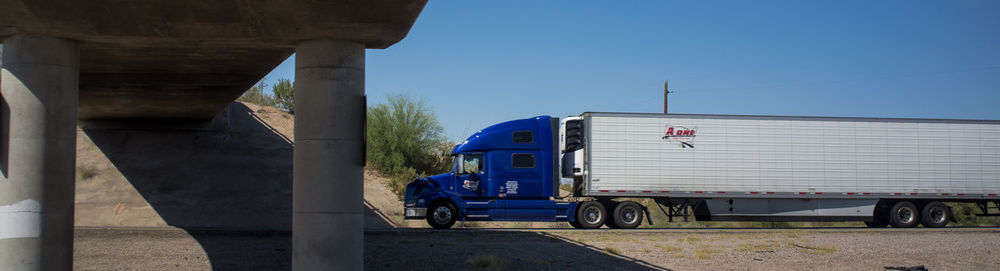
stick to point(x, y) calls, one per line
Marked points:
point(490, 250)
point(230, 188)
point(227, 183)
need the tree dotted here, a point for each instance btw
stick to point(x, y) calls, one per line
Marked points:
point(405, 138)
point(256, 95)
point(284, 95)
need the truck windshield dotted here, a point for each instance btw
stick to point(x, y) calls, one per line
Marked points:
point(470, 163)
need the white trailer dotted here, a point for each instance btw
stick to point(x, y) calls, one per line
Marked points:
point(782, 168)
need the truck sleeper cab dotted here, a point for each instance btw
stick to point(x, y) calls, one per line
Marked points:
point(716, 168)
point(502, 173)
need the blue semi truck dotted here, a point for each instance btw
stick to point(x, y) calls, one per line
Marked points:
point(716, 168)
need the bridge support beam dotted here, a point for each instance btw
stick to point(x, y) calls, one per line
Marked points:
point(327, 192)
point(39, 90)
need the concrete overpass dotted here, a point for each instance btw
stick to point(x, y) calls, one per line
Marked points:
point(141, 61)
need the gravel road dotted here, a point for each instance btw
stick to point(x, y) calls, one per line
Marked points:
point(703, 249)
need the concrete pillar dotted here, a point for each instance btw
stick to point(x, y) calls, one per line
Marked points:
point(327, 192)
point(39, 87)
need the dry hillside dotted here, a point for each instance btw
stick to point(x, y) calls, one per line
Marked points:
point(235, 175)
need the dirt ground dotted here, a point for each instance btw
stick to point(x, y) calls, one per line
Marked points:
point(684, 250)
point(535, 246)
point(546, 249)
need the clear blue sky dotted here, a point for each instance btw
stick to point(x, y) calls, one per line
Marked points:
point(481, 62)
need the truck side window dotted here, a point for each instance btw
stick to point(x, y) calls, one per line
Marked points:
point(471, 164)
point(522, 160)
point(523, 137)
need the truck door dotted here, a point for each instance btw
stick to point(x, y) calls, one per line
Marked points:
point(475, 187)
point(470, 176)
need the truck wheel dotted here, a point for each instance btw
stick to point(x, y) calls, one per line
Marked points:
point(935, 215)
point(904, 215)
point(591, 215)
point(441, 215)
point(575, 224)
point(628, 215)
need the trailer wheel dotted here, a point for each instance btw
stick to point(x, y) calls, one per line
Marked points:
point(591, 215)
point(441, 215)
point(935, 215)
point(627, 215)
point(904, 215)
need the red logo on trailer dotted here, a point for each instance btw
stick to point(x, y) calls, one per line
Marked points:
point(680, 134)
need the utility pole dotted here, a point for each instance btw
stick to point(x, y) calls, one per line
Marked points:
point(666, 92)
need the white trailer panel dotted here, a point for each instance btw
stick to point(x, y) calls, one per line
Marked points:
point(774, 156)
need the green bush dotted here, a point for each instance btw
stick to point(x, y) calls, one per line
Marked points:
point(284, 95)
point(404, 139)
point(965, 215)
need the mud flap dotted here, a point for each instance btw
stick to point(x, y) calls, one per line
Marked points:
point(649, 219)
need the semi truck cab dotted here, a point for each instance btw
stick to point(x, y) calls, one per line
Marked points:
point(506, 172)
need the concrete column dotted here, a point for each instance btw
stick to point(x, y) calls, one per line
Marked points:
point(39, 86)
point(327, 192)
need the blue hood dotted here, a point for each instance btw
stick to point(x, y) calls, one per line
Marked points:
point(441, 179)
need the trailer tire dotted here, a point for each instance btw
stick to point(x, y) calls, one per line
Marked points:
point(904, 215)
point(935, 215)
point(591, 215)
point(442, 215)
point(627, 215)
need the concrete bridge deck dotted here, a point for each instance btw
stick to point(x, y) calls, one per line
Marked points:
point(191, 58)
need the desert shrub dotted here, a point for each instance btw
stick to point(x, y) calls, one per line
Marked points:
point(404, 140)
point(965, 215)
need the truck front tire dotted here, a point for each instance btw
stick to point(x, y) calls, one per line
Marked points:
point(904, 215)
point(441, 215)
point(591, 215)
